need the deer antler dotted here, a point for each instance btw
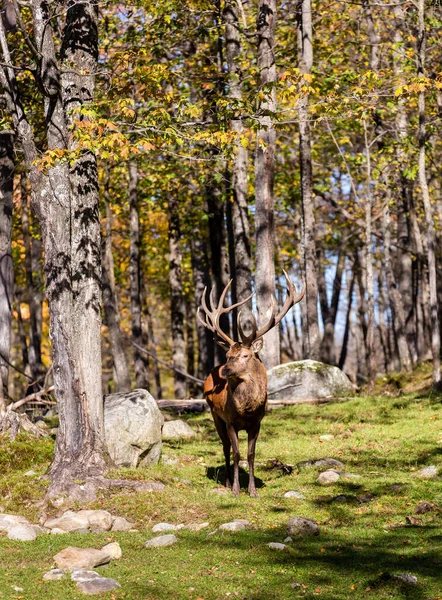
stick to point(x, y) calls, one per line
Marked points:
point(292, 298)
point(212, 316)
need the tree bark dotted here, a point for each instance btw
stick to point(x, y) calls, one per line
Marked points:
point(264, 180)
point(153, 348)
point(200, 269)
point(34, 294)
point(111, 303)
point(329, 313)
point(141, 361)
point(344, 347)
point(6, 266)
point(241, 274)
point(311, 334)
point(428, 209)
point(176, 299)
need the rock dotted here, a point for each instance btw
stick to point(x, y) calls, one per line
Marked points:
point(321, 463)
point(70, 522)
point(168, 460)
point(197, 526)
point(276, 546)
point(294, 494)
point(132, 424)
point(295, 586)
point(300, 527)
point(30, 473)
point(428, 472)
point(82, 558)
point(83, 575)
point(242, 522)
point(98, 520)
point(406, 578)
point(98, 586)
point(160, 527)
point(232, 526)
point(178, 429)
point(160, 541)
point(326, 437)
point(57, 531)
point(113, 550)
point(341, 498)
point(307, 380)
point(288, 539)
point(8, 521)
point(328, 477)
point(54, 575)
point(22, 533)
point(121, 524)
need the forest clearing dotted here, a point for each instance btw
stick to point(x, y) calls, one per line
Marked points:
point(231, 205)
point(369, 529)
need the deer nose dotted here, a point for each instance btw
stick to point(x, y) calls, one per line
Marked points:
point(226, 371)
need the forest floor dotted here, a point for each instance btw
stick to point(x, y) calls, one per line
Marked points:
point(365, 540)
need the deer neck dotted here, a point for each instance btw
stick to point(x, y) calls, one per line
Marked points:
point(249, 391)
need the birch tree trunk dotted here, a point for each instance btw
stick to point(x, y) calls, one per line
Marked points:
point(428, 209)
point(311, 334)
point(264, 180)
point(6, 266)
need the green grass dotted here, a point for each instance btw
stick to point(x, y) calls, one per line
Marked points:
point(383, 439)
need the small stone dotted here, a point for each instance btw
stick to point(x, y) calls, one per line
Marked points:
point(294, 494)
point(160, 527)
point(328, 477)
point(232, 526)
point(197, 526)
point(341, 498)
point(168, 460)
point(161, 541)
point(54, 575)
point(22, 533)
point(30, 473)
point(17, 589)
point(242, 521)
point(69, 521)
point(82, 558)
point(98, 520)
point(121, 524)
point(177, 429)
point(428, 472)
point(295, 586)
point(8, 521)
point(326, 437)
point(301, 527)
point(321, 463)
point(98, 586)
point(58, 531)
point(288, 539)
point(406, 578)
point(83, 575)
point(113, 550)
point(276, 546)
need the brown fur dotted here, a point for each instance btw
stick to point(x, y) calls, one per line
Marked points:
point(236, 393)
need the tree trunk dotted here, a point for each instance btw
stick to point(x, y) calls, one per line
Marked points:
point(329, 313)
point(311, 334)
point(141, 361)
point(33, 292)
point(6, 266)
point(200, 269)
point(111, 303)
point(343, 355)
point(264, 181)
point(242, 276)
point(153, 349)
point(176, 299)
point(428, 209)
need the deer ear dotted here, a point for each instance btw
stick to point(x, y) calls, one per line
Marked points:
point(257, 346)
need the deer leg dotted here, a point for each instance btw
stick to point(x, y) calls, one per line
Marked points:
point(221, 428)
point(233, 436)
point(252, 437)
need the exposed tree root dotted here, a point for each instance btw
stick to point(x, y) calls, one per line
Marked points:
point(13, 422)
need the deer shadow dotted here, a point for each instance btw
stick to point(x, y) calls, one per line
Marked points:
point(218, 474)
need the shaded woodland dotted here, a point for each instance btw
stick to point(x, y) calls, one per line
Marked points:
point(148, 151)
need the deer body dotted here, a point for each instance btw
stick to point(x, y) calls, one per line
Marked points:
point(236, 392)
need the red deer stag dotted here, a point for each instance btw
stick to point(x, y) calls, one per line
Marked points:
point(236, 392)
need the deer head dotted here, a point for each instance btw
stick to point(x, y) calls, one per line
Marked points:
point(240, 352)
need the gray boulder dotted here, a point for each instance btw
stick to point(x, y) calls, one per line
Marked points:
point(160, 541)
point(298, 526)
point(178, 429)
point(307, 380)
point(132, 425)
